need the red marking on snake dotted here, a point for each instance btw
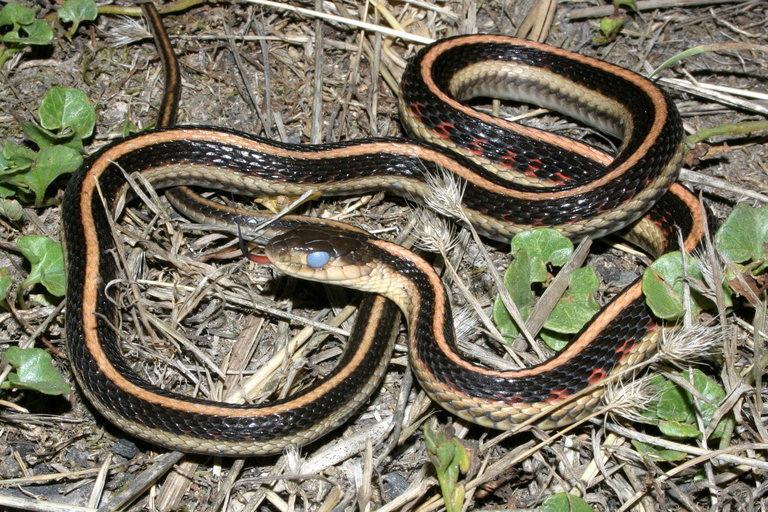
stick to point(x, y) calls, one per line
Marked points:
point(475, 147)
point(444, 129)
point(557, 394)
point(508, 160)
point(625, 347)
point(416, 109)
point(596, 376)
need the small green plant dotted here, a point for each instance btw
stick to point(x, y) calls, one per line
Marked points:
point(675, 409)
point(33, 369)
point(20, 29)
point(535, 253)
point(25, 30)
point(663, 283)
point(450, 458)
point(77, 11)
point(66, 118)
point(743, 240)
point(563, 502)
point(47, 261)
point(610, 26)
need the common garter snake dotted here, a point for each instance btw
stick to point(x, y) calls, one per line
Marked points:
point(514, 177)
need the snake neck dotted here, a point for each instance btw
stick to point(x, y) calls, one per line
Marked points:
point(419, 292)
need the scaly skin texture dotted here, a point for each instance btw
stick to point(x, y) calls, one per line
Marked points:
point(621, 189)
point(621, 335)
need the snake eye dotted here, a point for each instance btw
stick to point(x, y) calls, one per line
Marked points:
point(318, 259)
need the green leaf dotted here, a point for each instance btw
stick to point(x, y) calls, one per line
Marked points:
point(450, 459)
point(34, 370)
point(38, 33)
point(674, 411)
point(660, 296)
point(74, 142)
point(543, 246)
point(546, 244)
point(610, 26)
point(444, 455)
point(51, 163)
point(25, 28)
point(517, 281)
point(11, 209)
point(63, 109)
point(563, 502)
point(575, 308)
point(714, 395)
point(47, 261)
point(37, 134)
point(533, 251)
point(16, 15)
point(578, 304)
point(6, 191)
point(663, 286)
point(658, 453)
point(76, 11)
point(457, 498)
point(554, 340)
point(673, 404)
point(744, 235)
point(679, 430)
point(129, 128)
point(5, 282)
point(16, 157)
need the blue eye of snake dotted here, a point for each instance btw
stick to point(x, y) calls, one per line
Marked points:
point(318, 259)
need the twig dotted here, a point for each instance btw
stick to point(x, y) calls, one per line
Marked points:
point(607, 10)
point(346, 21)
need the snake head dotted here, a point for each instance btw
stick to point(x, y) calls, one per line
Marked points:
point(325, 254)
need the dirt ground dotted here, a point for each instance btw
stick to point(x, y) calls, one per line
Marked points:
point(252, 67)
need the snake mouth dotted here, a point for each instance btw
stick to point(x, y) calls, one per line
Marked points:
point(261, 259)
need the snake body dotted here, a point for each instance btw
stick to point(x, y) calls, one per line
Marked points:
point(514, 177)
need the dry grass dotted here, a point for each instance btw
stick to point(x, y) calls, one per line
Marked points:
point(218, 327)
